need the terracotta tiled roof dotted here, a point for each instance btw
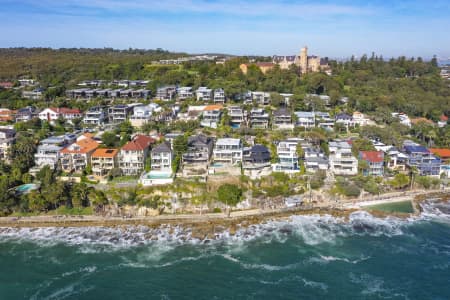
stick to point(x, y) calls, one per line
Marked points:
point(444, 118)
point(265, 64)
point(105, 152)
point(441, 152)
point(372, 156)
point(83, 146)
point(139, 142)
point(213, 107)
point(65, 110)
point(421, 120)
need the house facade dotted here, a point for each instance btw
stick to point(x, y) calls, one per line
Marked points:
point(375, 162)
point(133, 155)
point(7, 139)
point(341, 159)
point(287, 157)
point(103, 160)
point(95, 116)
point(52, 114)
point(282, 119)
point(75, 157)
point(204, 94)
point(228, 150)
point(259, 119)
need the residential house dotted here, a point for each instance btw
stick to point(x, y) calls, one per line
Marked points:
point(103, 160)
point(166, 93)
point(118, 113)
point(237, 116)
point(211, 116)
point(360, 119)
point(25, 114)
point(196, 158)
point(161, 166)
point(228, 150)
point(162, 157)
point(185, 92)
point(443, 121)
point(261, 98)
point(324, 99)
point(287, 157)
point(7, 115)
point(442, 153)
point(306, 119)
point(423, 160)
point(7, 139)
point(133, 155)
point(345, 119)
point(314, 159)
point(259, 119)
point(286, 98)
point(200, 148)
point(95, 116)
point(375, 162)
point(219, 96)
point(324, 120)
point(35, 94)
point(256, 161)
point(403, 118)
point(48, 151)
point(204, 94)
point(75, 157)
point(282, 119)
point(342, 161)
point(396, 159)
point(142, 114)
point(52, 114)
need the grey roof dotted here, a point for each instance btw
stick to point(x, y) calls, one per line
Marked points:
point(199, 139)
point(162, 148)
point(282, 112)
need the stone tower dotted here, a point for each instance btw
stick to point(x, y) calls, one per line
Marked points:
point(304, 60)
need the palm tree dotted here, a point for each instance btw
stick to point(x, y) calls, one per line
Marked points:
point(412, 175)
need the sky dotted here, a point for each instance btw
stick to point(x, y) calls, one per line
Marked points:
point(336, 29)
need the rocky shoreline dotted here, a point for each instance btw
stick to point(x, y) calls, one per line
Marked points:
point(206, 226)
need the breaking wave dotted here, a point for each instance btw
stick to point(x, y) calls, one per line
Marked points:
point(310, 229)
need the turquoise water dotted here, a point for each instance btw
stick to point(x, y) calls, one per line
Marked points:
point(26, 187)
point(307, 257)
point(159, 176)
point(401, 207)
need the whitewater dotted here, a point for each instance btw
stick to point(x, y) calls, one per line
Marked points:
point(302, 257)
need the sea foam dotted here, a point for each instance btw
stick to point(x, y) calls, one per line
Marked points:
point(310, 229)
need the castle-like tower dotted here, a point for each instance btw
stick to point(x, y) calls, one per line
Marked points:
point(303, 60)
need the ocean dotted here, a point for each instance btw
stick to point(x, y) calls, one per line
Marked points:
point(305, 257)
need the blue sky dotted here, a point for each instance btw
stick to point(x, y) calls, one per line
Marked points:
point(329, 28)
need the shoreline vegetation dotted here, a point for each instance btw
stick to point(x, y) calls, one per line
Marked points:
point(207, 225)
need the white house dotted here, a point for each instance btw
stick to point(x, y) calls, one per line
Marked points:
point(228, 150)
point(305, 119)
point(94, 116)
point(287, 157)
point(219, 96)
point(142, 114)
point(211, 117)
point(185, 92)
point(342, 161)
point(261, 98)
point(204, 94)
point(52, 114)
point(161, 166)
point(7, 138)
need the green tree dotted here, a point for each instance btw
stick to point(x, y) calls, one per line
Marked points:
point(229, 194)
